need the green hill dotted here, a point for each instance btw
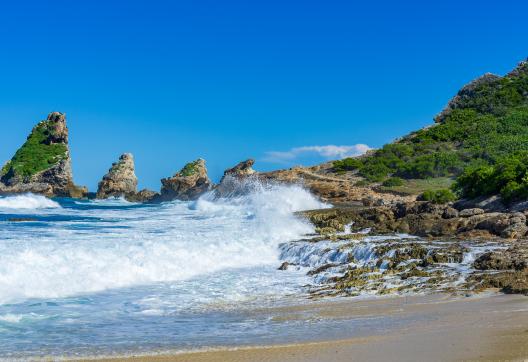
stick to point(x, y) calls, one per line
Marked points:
point(481, 134)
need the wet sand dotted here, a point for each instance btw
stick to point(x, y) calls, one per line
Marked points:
point(483, 328)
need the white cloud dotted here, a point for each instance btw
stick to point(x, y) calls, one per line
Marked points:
point(327, 152)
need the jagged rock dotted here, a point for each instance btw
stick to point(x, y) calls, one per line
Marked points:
point(43, 164)
point(504, 269)
point(509, 282)
point(189, 183)
point(514, 258)
point(488, 203)
point(514, 231)
point(284, 266)
point(120, 181)
point(231, 184)
point(471, 212)
point(522, 68)
point(450, 213)
point(467, 92)
point(143, 196)
point(241, 170)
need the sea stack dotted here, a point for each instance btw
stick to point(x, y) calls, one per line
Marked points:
point(189, 183)
point(43, 164)
point(120, 181)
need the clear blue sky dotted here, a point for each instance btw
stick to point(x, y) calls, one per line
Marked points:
point(171, 81)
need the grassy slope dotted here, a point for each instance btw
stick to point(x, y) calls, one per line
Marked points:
point(487, 123)
point(36, 154)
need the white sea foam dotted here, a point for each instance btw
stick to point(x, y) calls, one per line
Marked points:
point(27, 201)
point(114, 247)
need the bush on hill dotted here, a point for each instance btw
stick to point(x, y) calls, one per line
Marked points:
point(438, 197)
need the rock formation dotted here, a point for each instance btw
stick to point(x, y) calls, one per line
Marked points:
point(189, 183)
point(241, 170)
point(230, 183)
point(120, 181)
point(143, 196)
point(42, 165)
point(422, 218)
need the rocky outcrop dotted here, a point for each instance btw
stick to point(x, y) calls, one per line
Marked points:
point(467, 92)
point(520, 70)
point(43, 164)
point(506, 269)
point(513, 258)
point(408, 263)
point(120, 181)
point(231, 184)
point(145, 196)
point(241, 170)
point(421, 218)
point(189, 183)
point(323, 182)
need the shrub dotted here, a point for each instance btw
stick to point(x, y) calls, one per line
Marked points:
point(189, 169)
point(392, 182)
point(508, 177)
point(347, 164)
point(361, 183)
point(442, 196)
point(375, 171)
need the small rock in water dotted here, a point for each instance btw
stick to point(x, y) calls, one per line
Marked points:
point(284, 266)
point(21, 219)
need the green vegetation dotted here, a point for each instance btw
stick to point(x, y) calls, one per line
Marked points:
point(475, 138)
point(36, 155)
point(189, 169)
point(393, 182)
point(442, 196)
point(346, 164)
point(508, 177)
point(418, 186)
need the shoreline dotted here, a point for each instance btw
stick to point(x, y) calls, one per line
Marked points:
point(482, 328)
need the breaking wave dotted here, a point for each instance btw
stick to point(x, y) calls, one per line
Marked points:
point(118, 246)
point(27, 201)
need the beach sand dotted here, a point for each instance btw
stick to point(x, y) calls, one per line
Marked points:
point(483, 328)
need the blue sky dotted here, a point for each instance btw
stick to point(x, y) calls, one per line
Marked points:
point(279, 81)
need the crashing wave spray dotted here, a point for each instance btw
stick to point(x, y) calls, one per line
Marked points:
point(27, 201)
point(118, 246)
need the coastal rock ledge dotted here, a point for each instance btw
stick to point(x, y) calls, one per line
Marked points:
point(189, 183)
point(43, 164)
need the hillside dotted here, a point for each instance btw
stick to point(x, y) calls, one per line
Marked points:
point(479, 132)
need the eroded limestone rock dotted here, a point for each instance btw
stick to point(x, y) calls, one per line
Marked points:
point(120, 181)
point(189, 183)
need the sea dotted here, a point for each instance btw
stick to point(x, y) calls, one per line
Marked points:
point(109, 277)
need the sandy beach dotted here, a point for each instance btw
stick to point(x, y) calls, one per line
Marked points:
point(481, 328)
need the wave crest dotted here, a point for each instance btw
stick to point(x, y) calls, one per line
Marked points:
point(27, 201)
